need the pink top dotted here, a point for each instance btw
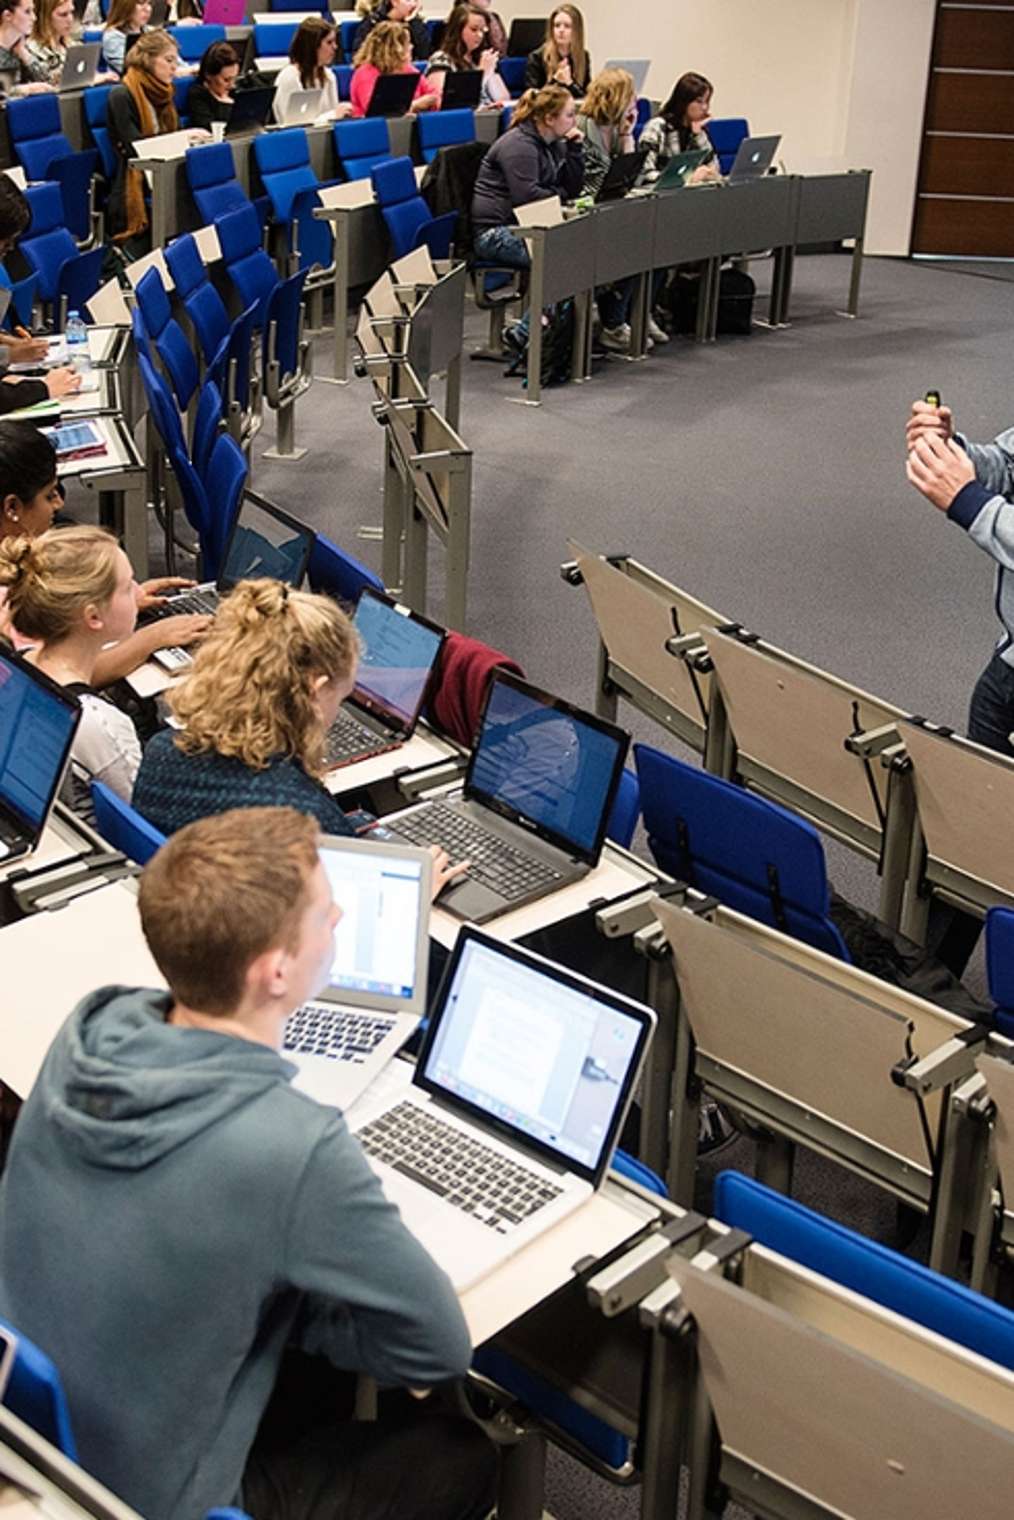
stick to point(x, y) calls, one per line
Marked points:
point(366, 76)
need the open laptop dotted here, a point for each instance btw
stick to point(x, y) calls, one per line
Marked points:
point(680, 167)
point(38, 721)
point(400, 649)
point(393, 94)
point(462, 89)
point(526, 34)
point(511, 1118)
point(637, 68)
point(302, 108)
point(376, 990)
point(533, 811)
point(754, 157)
point(224, 12)
point(621, 176)
point(80, 65)
point(265, 542)
point(251, 109)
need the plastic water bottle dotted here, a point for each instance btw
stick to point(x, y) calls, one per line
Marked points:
point(76, 335)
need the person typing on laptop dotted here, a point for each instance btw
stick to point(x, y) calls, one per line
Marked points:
point(314, 48)
point(227, 1260)
point(388, 50)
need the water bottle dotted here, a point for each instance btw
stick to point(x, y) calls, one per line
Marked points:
point(76, 335)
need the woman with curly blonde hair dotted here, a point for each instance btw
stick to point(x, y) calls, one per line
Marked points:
point(388, 50)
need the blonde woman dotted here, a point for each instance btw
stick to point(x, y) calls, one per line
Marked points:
point(562, 58)
point(72, 591)
point(388, 50)
point(45, 50)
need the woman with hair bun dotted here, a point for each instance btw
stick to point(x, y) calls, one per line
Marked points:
point(71, 591)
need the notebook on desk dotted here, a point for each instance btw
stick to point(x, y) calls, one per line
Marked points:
point(514, 1109)
point(400, 649)
point(376, 991)
point(533, 811)
point(80, 66)
point(38, 721)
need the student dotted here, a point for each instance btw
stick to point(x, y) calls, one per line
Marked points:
point(314, 48)
point(464, 47)
point(496, 31)
point(406, 12)
point(210, 98)
point(25, 390)
point(679, 127)
point(70, 592)
point(221, 1236)
point(562, 58)
point(17, 18)
point(388, 50)
point(540, 155)
point(45, 51)
point(126, 18)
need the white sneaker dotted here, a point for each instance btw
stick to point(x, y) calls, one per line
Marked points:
point(616, 338)
point(656, 332)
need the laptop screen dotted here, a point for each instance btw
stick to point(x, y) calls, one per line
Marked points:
point(37, 726)
point(266, 543)
point(538, 1050)
point(544, 762)
point(399, 652)
point(381, 943)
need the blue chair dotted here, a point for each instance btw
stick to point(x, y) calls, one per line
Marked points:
point(181, 95)
point(35, 1394)
point(22, 301)
point(343, 73)
point(209, 422)
point(409, 220)
point(247, 265)
point(272, 39)
point(749, 853)
point(168, 337)
point(192, 42)
point(96, 99)
point(45, 152)
point(625, 811)
point(512, 72)
point(226, 344)
point(336, 573)
point(283, 159)
point(67, 278)
point(123, 827)
point(725, 133)
point(360, 145)
point(1000, 967)
point(643, 116)
point(894, 1281)
point(443, 129)
point(347, 36)
point(226, 474)
point(211, 174)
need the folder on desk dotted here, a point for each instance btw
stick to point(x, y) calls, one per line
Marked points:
point(350, 196)
point(165, 145)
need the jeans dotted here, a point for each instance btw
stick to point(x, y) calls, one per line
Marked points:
point(614, 302)
point(501, 245)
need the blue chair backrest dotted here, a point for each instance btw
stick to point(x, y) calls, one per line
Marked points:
point(123, 827)
point(343, 73)
point(1000, 967)
point(248, 266)
point(401, 205)
point(749, 853)
point(443, 129)
point(211, 173)
point(359, 145)
point(193, 41)
point(284, 308)
point(394, 181)
point(283, 159)
point(272, 39)
point(36, 132)
point(334, 572)
point(643, 116)
point(181, 95)
point(167, 335)
point(226, 478)
point(185, 264)
point(347, 35)
point(22, 299)
point(888, 1278)
point(35, 1394)
point(47, 245)
point(96, 100)
point(512, 72)
point(207, 426)
point(625, 811)
point(725, 134)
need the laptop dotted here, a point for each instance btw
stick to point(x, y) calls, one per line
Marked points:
point(376, 989)
point(533, 810)
point(526, 34)
point(393, 94)
point(462, 89)
point(38, 721)
point(621, 176)
point(511, 1118)
point(80, 65)
point(264, 542)
point(251, 109)
point(224, 12)
point(680, 167)
point(637, 68)
point(754, 157)
point(400, 649)
point(302, 108)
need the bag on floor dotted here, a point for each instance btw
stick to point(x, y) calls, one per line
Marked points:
point(736, 291)
point(557, 347)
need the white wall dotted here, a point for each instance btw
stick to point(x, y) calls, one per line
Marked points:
point(839, 79)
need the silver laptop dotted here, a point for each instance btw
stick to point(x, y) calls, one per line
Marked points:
point(512, 1115)
point(754, 157)
point(38, 721)
point(400, 649)
point(80, 65)
point(302, 108)
point(376, 990)
point(636, 67)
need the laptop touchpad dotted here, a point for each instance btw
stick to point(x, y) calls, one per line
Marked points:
point(470, 900)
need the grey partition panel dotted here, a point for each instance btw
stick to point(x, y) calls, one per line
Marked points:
point(369, 245)
point(72, 119)
point(624, 238)
point(401, 131)
point(831, 206)
point(569, 259)
point(757, 214)
point(686, 225)
point(487, 125)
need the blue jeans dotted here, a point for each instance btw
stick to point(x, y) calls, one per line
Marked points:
point(501, 245)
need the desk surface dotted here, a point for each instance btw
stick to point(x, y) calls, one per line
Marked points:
point(62, 839)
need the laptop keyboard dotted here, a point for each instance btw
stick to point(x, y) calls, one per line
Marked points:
point(493, 862)
point(470, 1176)
point(317, 1029)
point(188, 601)
point(348, 739)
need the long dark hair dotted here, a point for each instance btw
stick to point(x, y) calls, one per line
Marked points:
point(27, 460)
point(687, 89)
point(303, 50)
point(452, 43)
point(219, 56)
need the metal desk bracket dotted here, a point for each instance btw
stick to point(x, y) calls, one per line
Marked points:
point(426, 778)
point(623, 1284)
point(952, 1062)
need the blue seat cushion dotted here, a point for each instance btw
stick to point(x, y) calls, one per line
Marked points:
point(1000, 966)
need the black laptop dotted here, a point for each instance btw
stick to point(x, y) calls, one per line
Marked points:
point(38, 721)
point(621, 176)
point(250, 111)
point(533, 812)
point(462, 90)
point(526, 34)
point(393, 94)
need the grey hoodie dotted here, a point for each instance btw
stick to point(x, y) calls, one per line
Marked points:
point(172, 1216)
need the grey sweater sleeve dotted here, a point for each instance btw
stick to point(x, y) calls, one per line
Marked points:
point(984, 507)
point(377, 1303)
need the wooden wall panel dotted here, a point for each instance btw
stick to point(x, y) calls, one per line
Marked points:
point(967, 166)
point(978, 229)
point(963, 102)
point(974, 39)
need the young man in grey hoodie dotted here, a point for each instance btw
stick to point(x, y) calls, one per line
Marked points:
point(185, 1234)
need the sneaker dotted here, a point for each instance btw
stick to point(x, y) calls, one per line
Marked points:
point(515, 340)
point(656, 333)
point(616, 338)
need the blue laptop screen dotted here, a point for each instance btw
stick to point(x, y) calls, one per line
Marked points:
point(36, 728)
point(397, 657)
point(264, 547)
point(545, 764)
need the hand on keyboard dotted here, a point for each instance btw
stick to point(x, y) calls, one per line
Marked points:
point(152, 594)
point(182, 629)
point(444, 873)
